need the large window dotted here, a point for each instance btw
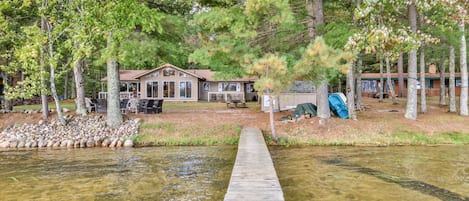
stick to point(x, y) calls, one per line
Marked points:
point(229, 86)
point(185, 89)
point(152, 89)
point(168, 89)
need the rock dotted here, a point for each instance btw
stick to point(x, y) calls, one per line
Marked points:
point(33, 144)
point(106, 142)
point(4, 144)
point(65, 110)
point(63, 143)
point(13, 144)
point(76, 144)
point(119, 143)
point(56, 144)
point(113, 143)
point(50, 143)
point(90, 143)
point(82, 143)
point(21, 144)
point(70, 143)
point(128, 143)
point(28, 144)
point(41, 122)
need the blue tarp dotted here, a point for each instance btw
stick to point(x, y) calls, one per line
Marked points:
point(337, 106)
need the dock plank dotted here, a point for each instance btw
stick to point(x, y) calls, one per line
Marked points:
point(253, 176)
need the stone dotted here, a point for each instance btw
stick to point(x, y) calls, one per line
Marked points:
point(56, 144)
point(128, 143)
point(33, 144)
point(50, 143)
point(70, 143)
point(113, 143)
point(90, 143)
point(106, 142)
point(119, 143)
point(13, 144)
point(137, 120)
point(65, 110)
point(4, 144)
point(28, 144)
point(21, 144)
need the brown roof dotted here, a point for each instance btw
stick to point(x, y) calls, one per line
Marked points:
point(128, 75)
point(405, 75)
point(209, 75)
point(166, 66)
point(204, 74)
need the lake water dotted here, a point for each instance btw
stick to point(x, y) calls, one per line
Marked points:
point(156, 173)
point(203, 173)
point(373, 173)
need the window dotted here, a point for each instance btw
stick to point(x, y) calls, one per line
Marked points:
point(229, 86)
point(169, 72)
point(168, 89)
point(123, 87)
point(181, 74)
point(152, 89)
point(185, 89)
point(206, 86)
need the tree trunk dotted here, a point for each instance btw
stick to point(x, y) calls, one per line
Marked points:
point(359, 83)
point(271, 117)
point(351, 93)
point(42, 70)
point(80, 87)
point(389, 82)
point(66, 84)
point(7, 104)
point(381, 80)
point(400, 74)
point(73, 92)
point(423, 92)
point(452, 87)
point(411, 107)
point(114, 116)
point(53, 89)
point(463, 65)
point(442, 81)
point(322, 100)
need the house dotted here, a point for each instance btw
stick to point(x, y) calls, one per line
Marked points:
point(172, 83)
point(370, 83)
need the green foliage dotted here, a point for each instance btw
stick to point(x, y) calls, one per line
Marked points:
point(320, 62)
point(274, 76)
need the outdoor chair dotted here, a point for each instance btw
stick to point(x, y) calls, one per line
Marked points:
point(142, 103)
point(123, 105)
point(101, 106)
point(90, 106)
point(132, 106)
point(147, 107)
point(158, 106)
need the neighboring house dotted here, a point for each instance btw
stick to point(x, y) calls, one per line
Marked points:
point(370, 83)
point(172, 83)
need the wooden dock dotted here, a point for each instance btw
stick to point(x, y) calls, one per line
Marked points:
point(253, 176)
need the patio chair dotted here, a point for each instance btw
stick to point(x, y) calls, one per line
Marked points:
point(123, 105)
point(147, 107)
point(142, 103)
point(132, 106)
point(158, 106)
point(90, 106)
point(101, 106)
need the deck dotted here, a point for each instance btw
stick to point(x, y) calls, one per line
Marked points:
point(253, 176)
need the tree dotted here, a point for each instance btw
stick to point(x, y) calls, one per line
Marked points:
point(463, 111)
point(116, 21)
point(274, 77)
point(411, 107)
point(319, 63)
point(452, 87)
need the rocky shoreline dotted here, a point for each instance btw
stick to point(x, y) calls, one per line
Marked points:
point(80, 132)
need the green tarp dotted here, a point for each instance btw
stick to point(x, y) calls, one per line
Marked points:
point(302, 109)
